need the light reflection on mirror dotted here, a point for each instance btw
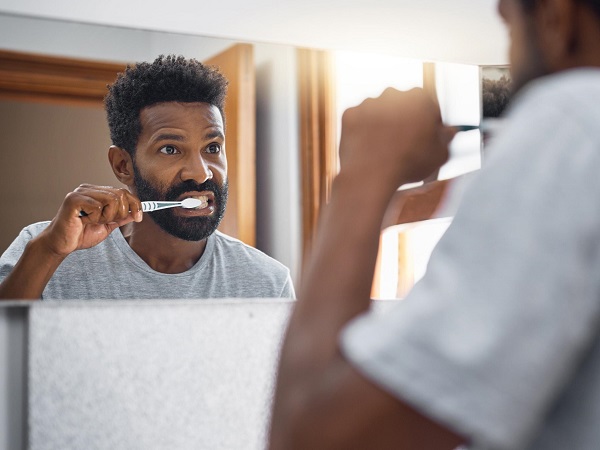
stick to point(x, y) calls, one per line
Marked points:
point(405, 250)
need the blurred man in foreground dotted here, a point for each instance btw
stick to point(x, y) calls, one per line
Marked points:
point(499, 345)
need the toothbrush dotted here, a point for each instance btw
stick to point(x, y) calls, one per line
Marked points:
point(187, 203)
point(488, 125)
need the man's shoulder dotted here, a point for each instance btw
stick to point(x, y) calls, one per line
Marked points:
point(249, 271)
point(573, 92)
point(244, 253)
point(31, 231)
point(578, 78)
point(37, 227)
point(550, 119)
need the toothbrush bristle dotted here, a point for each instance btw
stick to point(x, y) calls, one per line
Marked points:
point(191, 203)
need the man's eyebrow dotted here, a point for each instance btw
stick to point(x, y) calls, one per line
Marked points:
point(169, 137)
point(214, 134)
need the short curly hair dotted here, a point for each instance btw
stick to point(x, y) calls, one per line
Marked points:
point(168, 79)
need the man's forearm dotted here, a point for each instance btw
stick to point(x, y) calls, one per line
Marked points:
point(336, 285)
point(335, 288)
point(31, 274)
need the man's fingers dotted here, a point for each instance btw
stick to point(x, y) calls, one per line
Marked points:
point(80, 205)
point(447, 134)
point(102, 204)
point(135, 206)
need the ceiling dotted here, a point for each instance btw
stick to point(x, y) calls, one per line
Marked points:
point(464, 31)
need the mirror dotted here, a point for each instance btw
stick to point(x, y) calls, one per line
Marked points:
point(278, 185)
point(38, 132)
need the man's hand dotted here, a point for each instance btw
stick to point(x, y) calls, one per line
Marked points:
point(394, 139)
point(103, 209)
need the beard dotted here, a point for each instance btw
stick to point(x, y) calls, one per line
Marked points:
point(186, 228)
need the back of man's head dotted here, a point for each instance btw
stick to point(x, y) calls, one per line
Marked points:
point(593, 4)
point(549, 36)
point(168, 79)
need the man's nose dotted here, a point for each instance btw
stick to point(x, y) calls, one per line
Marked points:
point(196, 169)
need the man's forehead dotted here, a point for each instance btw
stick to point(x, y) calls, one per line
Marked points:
point(174, 114)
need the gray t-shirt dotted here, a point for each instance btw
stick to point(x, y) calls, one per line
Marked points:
point(112, 270)
point(500, 341)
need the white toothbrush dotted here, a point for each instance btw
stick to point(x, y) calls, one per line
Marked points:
point(187, 203)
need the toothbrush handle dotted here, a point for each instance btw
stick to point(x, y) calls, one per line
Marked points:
point(155, 206)
point(148, 207)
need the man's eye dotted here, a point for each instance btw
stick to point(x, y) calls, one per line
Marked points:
point(213, 148)
point(169, 150)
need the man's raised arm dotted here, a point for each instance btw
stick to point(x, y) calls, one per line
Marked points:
point(321, 401)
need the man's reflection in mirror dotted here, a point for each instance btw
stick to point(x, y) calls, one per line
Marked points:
point(167, 127)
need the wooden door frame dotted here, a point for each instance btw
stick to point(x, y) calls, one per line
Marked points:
point(42, 78)
point(318, 137)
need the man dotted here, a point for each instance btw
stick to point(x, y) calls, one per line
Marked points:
point(499, 345)
point(167, 125)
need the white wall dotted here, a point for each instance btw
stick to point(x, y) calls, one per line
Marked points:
point(112, 44)
point(277, 155)
point(49, 150)
point(466, 31)
point(278, 192)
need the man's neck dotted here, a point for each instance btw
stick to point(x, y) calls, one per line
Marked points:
point(585, 52)
point(161, 251)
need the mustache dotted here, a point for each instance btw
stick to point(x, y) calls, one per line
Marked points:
point(175, 191)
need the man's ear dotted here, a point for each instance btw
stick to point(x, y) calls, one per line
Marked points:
point(122, 164)
point(557, 25)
